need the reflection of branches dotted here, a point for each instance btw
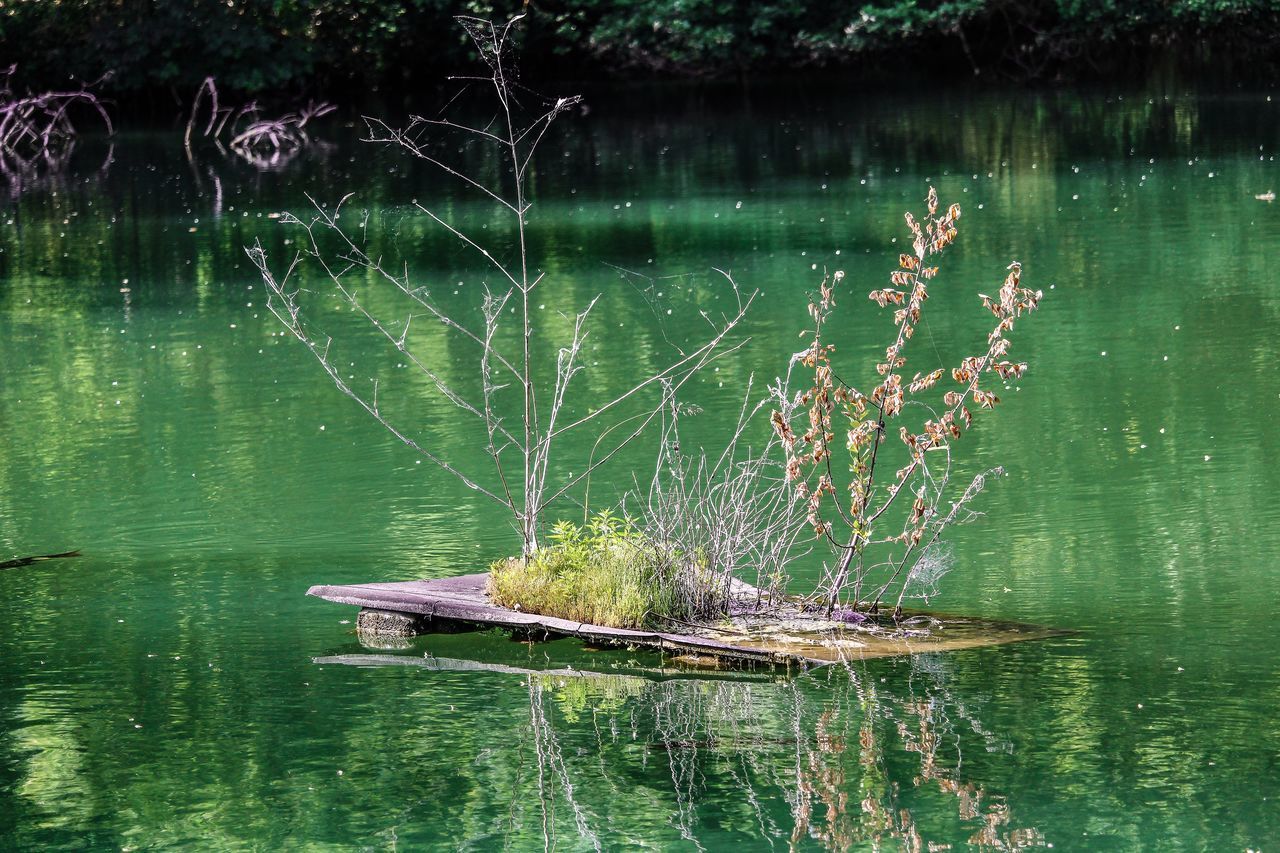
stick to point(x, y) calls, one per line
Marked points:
point(552, 772)
point(56, 177)
point(922, 724)
point(830, 751)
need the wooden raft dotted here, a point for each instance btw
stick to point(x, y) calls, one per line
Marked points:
point(463, 600)
point(447, 603)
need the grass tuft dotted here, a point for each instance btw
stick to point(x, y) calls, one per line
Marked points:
point(602, 574)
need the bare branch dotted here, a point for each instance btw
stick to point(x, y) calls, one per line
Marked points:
point(284, 307)
point(686, 365)
point(391, 136)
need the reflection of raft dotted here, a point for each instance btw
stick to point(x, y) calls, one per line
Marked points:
point(630, 674)
point(418, 607)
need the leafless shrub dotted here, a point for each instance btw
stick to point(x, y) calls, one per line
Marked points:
point(874, 546)
point(715, 517)
point(522, 402)
point(37, 134)
point(266, 143)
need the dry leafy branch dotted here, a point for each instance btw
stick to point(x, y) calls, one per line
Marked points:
point(847, 505)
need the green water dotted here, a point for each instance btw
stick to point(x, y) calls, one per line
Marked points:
point(161, 691)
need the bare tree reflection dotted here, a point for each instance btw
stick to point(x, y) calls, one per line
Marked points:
point(850, 759)
point(51, 173)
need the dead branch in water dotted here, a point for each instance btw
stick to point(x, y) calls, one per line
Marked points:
point(19, 562)
point(267, 143)
point(36, 129)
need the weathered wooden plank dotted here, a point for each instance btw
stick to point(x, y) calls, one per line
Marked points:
point(463, 599)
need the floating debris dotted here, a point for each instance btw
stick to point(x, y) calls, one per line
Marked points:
point(19, 562)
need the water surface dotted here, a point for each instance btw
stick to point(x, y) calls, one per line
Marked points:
point(161, 690)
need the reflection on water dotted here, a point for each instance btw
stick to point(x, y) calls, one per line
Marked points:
point(830, 755)
point(833, 758)
point(53, 173)
point(54, 766)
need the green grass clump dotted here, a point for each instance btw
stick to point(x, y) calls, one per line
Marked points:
point(603, 574)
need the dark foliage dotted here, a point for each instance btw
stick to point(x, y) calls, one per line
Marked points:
point(284, 46)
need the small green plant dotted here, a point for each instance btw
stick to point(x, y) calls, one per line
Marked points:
point(604, 573)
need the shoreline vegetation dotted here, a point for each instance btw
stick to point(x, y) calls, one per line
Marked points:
point(357, 51)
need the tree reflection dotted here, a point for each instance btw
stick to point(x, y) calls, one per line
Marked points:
point(834, 759)
point(52, 172)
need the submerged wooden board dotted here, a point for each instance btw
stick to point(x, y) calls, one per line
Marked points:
point(463, 600)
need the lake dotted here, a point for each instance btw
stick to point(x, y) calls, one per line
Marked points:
point(170, 688)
